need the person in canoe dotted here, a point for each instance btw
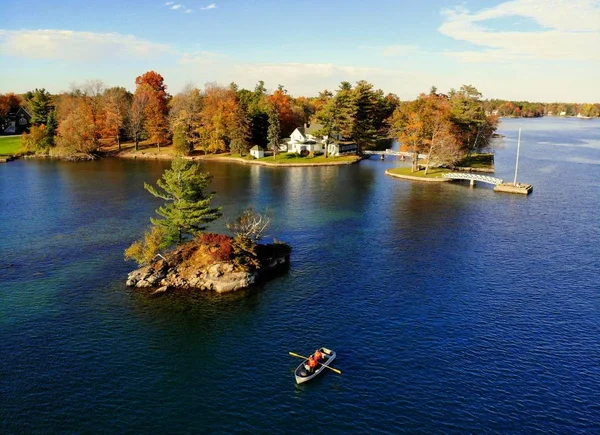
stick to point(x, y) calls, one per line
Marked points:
point(317, 355)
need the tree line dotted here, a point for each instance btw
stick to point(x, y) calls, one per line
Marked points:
point(526, 109)
point(221, 118)
point(213, 119)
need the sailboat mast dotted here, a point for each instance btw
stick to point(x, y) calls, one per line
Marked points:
point(518, 150)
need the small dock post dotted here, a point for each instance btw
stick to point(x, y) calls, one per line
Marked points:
point(472, 183)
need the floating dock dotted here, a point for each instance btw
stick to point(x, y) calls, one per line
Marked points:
point(520, 188)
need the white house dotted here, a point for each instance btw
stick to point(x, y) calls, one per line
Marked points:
point(303, 138)
point(257, 152)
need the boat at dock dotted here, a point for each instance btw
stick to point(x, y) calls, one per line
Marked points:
point(302, 374)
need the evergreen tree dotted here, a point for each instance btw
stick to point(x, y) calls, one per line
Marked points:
point(188, 209)
point(274, 131)
point(364, 131)
point(240, 131)
point(41, 106)
point(51, 126)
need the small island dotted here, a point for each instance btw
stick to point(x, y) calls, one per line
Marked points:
point(175, 253)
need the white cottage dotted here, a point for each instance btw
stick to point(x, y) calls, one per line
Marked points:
point(257, 152)
point(303, 138)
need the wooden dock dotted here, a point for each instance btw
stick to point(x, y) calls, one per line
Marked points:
point(520, 188)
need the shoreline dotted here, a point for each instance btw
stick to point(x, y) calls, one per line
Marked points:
point(217, 158)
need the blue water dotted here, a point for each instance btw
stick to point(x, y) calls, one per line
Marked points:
point(451, 309)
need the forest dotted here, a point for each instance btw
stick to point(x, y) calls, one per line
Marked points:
point(91, 118)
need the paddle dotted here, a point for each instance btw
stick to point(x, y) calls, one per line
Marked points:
point(303, 357)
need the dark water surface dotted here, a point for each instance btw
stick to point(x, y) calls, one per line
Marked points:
point(451, 309)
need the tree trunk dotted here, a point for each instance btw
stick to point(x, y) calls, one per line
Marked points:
point(118, 142)
point(137, 141)
point(415, 158)
point(428, 158)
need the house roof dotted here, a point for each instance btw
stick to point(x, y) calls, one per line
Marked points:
point(256, 148)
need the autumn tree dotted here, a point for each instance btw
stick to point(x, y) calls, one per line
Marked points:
point(303, 109)
point(282, 103)
point(409, 124)
point(77, 132)
point(36, 141)
point(443, 147)
point(217, 114)
point(8, 102)
point(137, 113)
point(92, 95)
point(156, 108)
point(117, 101)
point(185, 119)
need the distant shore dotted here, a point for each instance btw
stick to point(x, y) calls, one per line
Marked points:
point(153, 154)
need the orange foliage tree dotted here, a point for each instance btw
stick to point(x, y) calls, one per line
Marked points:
point(282, 103)
point(218, 115)
point(116, 105)
point(156, 109)
point(8, 102)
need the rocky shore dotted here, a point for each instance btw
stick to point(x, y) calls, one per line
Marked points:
point(163, 275)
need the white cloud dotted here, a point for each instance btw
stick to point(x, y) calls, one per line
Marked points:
point(570, 31)
point(200, 58)
point(169, 3)
point(79, 46)
point(391, 50)
point(210, 6)
point(188, 11)
point(175, 7)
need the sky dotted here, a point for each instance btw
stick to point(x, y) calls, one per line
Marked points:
point(536, 50)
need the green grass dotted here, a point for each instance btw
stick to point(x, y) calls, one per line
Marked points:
point(293, 158)
point(477, 161)
point(432, 173)
point(9, 145)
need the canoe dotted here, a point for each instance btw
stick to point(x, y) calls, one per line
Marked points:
point(303, 375)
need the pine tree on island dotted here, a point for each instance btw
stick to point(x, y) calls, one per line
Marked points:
point(187, 210)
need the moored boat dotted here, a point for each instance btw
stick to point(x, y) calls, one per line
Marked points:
point(303, 374)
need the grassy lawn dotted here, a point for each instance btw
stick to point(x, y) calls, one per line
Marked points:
point(146, 148)
point(9, 145)
point(432, 173)
point(483, 161)
point(293, 158)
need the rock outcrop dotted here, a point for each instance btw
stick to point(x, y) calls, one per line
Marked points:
point(219, 277)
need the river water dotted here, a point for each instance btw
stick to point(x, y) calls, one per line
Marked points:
point(452, 309)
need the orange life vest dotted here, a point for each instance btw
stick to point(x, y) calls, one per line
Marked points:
point(312, 363)
point(318, 355)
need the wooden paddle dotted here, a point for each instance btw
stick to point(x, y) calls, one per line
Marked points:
point(303, 357)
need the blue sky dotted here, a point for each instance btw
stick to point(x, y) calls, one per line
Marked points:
point(519, 49)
